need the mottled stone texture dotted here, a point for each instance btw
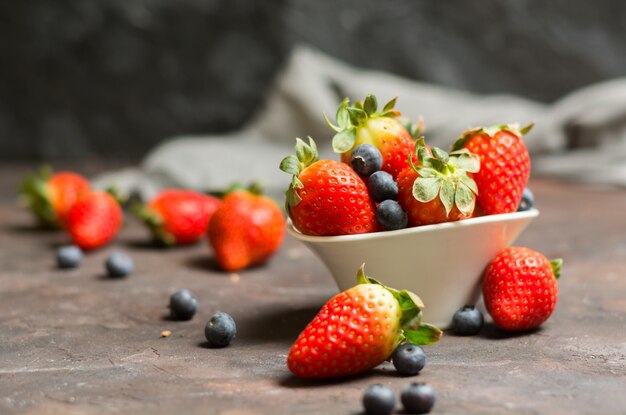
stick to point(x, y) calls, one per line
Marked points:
point(114, 77)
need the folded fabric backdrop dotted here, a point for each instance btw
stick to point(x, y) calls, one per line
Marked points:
point(580, 137)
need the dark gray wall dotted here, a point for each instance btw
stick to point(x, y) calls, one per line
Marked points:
point(113, 77)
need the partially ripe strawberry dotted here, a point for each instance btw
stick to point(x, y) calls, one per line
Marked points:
point(94, 219)
point(358, 329)
point(177, 216)
point(504, 166)
point(362, 123)
point(438, 189)
point(326, 197)
point(520, 288)
point(51, 195)
point(246, 230)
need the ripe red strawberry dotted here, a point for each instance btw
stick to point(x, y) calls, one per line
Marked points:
point(520, 288)
point(246, 230)
point(326, 197)
point(177, 217)
point(361, 123)
point(504, 165)
point(50, 196)
point(94, 219)
point(358, 329)
point(439, 189)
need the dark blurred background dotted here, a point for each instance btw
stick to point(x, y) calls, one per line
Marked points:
point(111, 78)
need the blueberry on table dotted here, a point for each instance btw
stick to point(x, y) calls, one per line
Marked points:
point(381, 186)
point(528, 199)
point(183, 305)
point(418, 398)
point(69, 256)
point(467, 321)
point(220, 330)
point(366, 159)
point(409, 359)
point(391, 216)
point(378, 400)
point(119, 264)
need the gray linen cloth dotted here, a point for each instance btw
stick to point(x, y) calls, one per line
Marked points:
point(580, 137)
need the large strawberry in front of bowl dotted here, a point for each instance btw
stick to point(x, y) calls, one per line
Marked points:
point(362, 123)
point(326, 197)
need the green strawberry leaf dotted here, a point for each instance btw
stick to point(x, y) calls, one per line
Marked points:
point(423, 335)
point(291, 165)
point(446, 195)
point(469, 182)
point(344, 140)
point(389, 106)
point(331, 125)
point(464, 199)
point(370, 105)
point(439, 154)
point(357, 115)
point(556, 265)
point(390, 114)
point(466, 161)
point(526, 129)
point(426, 189)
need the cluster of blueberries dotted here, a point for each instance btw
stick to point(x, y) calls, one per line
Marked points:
point(118, 264)
point(367, 162)
point(417, 397)
point(219, 331)
point(409, 360)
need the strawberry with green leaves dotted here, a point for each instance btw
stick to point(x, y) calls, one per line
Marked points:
point(246, 230)
point(94, 219)
point(520, 288)
point(358, 329)
point(504, 165)
point(439, 188)
point(178, 216)
point(326, 197)
point(51, 195)
point(362, 123)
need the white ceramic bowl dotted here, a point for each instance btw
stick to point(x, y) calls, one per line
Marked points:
point(442, 264)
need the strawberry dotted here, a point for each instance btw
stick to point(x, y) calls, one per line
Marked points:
point(520, 288)
point(326, 197)
point(51, 195)
point(440, 189)
point(504, 165)
point(246, 230)
point(361, 123)
point(94, 219)
point(178, 217)
point(358, 329)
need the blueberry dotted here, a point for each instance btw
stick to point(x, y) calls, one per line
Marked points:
point(183, 305)
point(366, 159)
point(378, 400)
point(220, 330)
point(528, 199)
point(69, 256)
point(119, 264)
point(381, 186)
point(418, 398)
point(409, 359)
point(467, 321)
point(391, 216)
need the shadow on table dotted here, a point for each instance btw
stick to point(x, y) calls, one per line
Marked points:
point(28, 228)
point(492, 332)
point(279, 324)
point(292, 381)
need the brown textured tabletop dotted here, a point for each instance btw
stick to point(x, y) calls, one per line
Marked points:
point(74, 342)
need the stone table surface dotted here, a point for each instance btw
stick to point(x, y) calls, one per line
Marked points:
point(75, 342)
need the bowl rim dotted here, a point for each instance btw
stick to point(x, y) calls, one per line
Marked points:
point(500, 217)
